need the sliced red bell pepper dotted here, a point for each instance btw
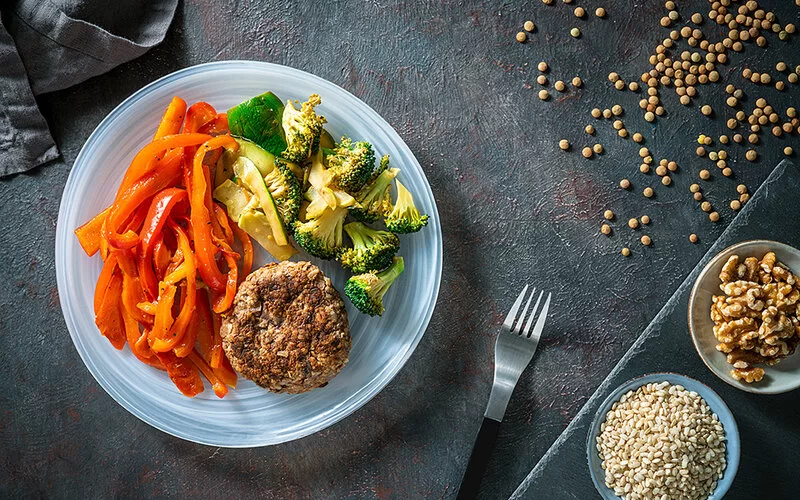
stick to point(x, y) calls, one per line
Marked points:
point(109, 317)
point(160, 257)
point(183, 373)
point(177, 329)
point(220, 389)
point(198, 115)
point(110, 267)
point(90, 233)
point(145, 188)
point(163, 319)
point(204, 246)
point(148, 158)
point(134, 335)
point(173, 118)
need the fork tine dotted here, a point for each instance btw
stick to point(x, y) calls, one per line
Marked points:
point(537, 330)
point(518, 326)
point(513, 312)
point(527, 329)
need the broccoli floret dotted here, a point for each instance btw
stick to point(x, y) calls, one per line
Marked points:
point(285, 190)
point(322, 236)
point(366, 290)
point(302, 129)
point(405, 218)
point(372, 249)
point(374, 200)
point(351, 163)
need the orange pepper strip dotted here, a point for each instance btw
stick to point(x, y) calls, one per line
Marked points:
point(178, 328)
point(90, 233)
point(247, 249)
point(198, 115)
point(222, 222)
point(160, 257)
point(186, 345)
point(217, 354)
point(226, 373)
point(109, 318)
point(201, 218)
point(132, 296)
point(205, 325)
point(147, 307)
point(173, 118)
point(223, 302)
point(220, 389)
point(218, 126)
point(183, 373)
point(146, 159)
point(103, 281)
point(141, 351)
point(163, 318)
point(143, 189)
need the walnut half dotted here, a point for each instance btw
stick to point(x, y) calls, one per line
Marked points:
point(757, 317)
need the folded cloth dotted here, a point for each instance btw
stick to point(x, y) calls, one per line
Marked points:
point(48, 45)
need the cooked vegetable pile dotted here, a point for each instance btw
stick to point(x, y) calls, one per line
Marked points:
point(172, 258)
point(290, 179)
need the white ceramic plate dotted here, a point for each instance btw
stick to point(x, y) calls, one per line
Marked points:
point(248, 416)
point(783, 377)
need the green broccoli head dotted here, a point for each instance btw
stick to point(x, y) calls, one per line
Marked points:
point(285, 189)
point(366, 290)
point(351, 163)
point(372, 249)
point(302, 129)
point(374, 200)
point(405, 218)
point(322, 236)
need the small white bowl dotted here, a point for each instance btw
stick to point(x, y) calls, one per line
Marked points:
point(783, 377)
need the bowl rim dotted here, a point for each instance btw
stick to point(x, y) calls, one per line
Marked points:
point(732, 459)
point(753, 389)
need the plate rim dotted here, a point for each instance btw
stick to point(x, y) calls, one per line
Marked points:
point(61, 263)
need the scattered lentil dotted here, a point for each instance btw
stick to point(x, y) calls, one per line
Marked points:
point(521, 37)
point(633, 223)
point(575, 32)
point(625, 184)
point(605, 229)
point(637, 137)
point(577, 82)
point(788, 151)
point(693, 238)
point(645, 219)
point(706, 110)
point(587, 152)
point(648, 192)
point(646, 240)
point(597, 148)
point(563, 144)
point(544, 95)
point(751, 155)
point(541, 80)
point(625, 251)
point(559, 85)
point(528, 26)
point(705, 174)
point(713, 216)
point(736, 205)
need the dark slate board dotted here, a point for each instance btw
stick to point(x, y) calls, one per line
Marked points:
point(769, 425)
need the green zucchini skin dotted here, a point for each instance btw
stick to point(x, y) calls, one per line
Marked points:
point(259, 120)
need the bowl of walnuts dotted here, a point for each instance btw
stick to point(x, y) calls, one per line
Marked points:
point(744, 316)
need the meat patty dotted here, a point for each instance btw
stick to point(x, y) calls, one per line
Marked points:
point(287, 330)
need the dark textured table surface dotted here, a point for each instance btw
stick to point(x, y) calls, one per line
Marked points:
point(515, 209)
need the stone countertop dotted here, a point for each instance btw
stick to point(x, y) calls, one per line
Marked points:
point(515, 209)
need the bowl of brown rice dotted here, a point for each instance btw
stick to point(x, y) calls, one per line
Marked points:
point(663, 436)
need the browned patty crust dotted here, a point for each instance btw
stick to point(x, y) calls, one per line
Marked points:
point(287, 330)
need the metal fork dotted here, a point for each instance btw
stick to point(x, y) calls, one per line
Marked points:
point(513, 351)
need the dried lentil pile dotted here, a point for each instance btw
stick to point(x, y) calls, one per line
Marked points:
point(662, 441)
point(684, 61)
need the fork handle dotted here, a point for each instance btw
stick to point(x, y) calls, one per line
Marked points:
point(479, 459)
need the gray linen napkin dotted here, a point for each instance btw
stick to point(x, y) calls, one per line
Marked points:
point(48, 45)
